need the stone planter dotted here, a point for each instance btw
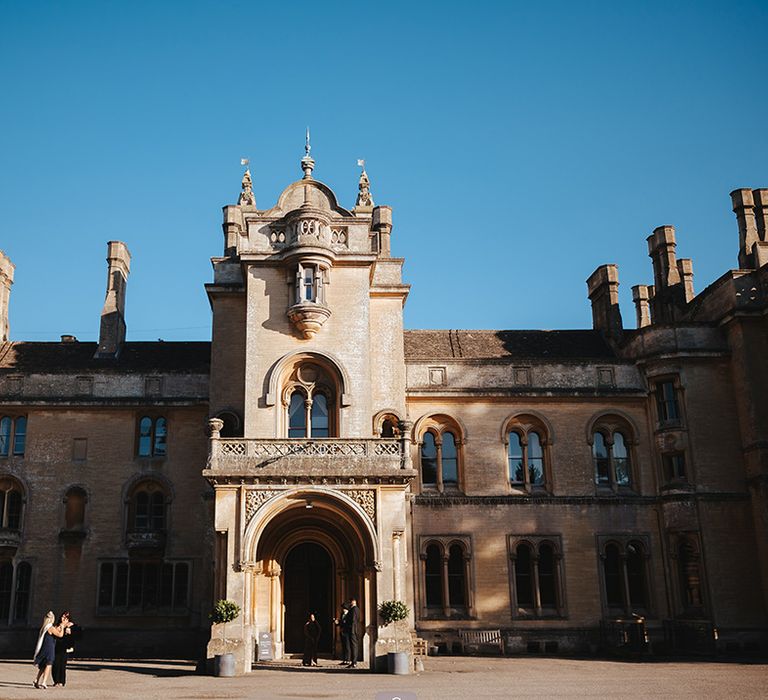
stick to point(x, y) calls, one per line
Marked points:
point(224, 665)
point(398, 663)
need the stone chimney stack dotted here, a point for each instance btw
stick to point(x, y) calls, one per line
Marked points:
point(685, 270)
point(744, 208)
point(6, 280)
point(603, 288)
point(760, 249)
point(382, 224)
point(641, 295)
point(670, 295)
point(112, 330)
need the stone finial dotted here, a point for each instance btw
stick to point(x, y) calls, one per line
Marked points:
point(307, 163)
point(364, 197)
point(247, 198)
point(112, 328)
point(603, 288)
point(6, 280)
point(214, 427)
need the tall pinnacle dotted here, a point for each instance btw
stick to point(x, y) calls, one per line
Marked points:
point(307, 163)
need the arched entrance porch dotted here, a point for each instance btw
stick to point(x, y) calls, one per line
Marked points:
point(312, 549)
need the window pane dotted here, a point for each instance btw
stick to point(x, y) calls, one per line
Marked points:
point(23, 581)
point(6, 579)
point(297, 416)
point(428, 459)
point(320, 416)
point(166, 586)
point(14, 510)
point(5, 436)
point(141, 515)
point(620, 459)
point(524, 576)
point(674, 466)
point(309, 292)
point(690, 576)
point(601, 459)
point(151, 593)
point(535, 459)
point(456, 588)
point(666, 397)
point(135, 584)
point(547, 575)
point(434, 577)
point(105, 586)
point(145, 437)
point(161, 433)
point(157, 511)
point(121, 586)
point(638, 597)
point(612, 577)
point(181, 586)
point(20, 436)
point(450, 462)
point(516, 473)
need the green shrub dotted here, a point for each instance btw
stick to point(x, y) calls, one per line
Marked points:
point(224, 611)
point(393, 611)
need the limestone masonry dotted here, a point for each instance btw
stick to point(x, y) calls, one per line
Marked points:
point(556, 491)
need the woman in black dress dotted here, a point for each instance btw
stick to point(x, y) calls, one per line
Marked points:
point(63, 647)
point(311, 638)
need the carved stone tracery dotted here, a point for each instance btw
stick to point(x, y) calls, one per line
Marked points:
point(254, 499)
point(366, 499)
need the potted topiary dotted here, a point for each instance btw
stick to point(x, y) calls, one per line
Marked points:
point(394, 612)
point(224, 611)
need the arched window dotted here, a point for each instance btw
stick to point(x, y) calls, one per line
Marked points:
point(11, 504)
point(147, 508)
point(297, 416)
point(386, 425)
point(536, 576)
point(15, 586)
point(611, 452)
point(74, 508)
point(232, 427)
point(526, 462)
point(434, 577)
point(625, 577)
point(320, 417)
point(524, 576)
point(153, 434)
point(450, 460)
point(440, 451)
point(456, 580)
point(310, 400)
point(13, 436)
point(428, 459)
point(446, 577)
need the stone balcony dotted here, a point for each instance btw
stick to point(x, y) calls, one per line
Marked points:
point(145, 540)
point(10, 539)
point(313, 460)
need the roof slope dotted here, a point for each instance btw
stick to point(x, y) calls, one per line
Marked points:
point(532, 345)
point(183, 357)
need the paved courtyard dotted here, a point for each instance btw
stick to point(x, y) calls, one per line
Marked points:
point(443, 679)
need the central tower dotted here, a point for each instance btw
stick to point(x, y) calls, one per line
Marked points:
point(308, 451)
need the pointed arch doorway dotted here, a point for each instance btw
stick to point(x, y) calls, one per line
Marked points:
point(314, 549)
point(308, 587)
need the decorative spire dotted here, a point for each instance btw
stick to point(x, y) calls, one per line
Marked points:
point(307, 164)
point(364, 198)
point(247, 197)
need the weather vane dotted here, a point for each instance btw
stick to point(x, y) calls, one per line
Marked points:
point(361, 162)
point(245, 161)
point(307, 147)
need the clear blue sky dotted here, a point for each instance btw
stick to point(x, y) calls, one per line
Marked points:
point(520, 144)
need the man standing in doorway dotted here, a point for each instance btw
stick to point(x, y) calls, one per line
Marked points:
point(353, 625)
point(342, 624)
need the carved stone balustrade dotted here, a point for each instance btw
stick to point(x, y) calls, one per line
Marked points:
point(9, 540)
point(314, 460)
point(151, 540)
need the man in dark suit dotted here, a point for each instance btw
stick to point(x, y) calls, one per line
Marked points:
point(342, 624)
point(353, 625)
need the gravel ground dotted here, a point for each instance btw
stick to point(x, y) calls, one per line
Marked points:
point(444, 679)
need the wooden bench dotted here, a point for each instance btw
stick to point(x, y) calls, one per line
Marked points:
point(419, 646)
point(472, 641)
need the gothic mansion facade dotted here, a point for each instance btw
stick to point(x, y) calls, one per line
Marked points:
point(575, 490)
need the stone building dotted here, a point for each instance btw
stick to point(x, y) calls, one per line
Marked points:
point(574, 490)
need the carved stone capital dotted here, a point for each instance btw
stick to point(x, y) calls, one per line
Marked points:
point(214, 427)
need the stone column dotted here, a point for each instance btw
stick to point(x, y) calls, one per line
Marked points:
point(641, 297)
point(744, 208)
